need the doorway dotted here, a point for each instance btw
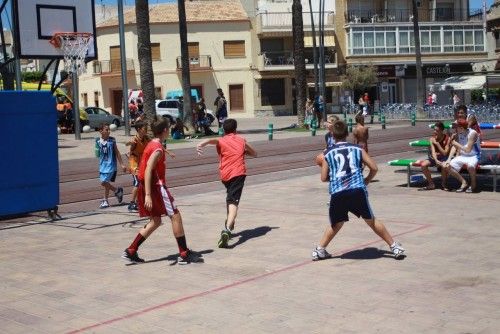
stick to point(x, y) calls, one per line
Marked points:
point(392, 92)
point(117, 100)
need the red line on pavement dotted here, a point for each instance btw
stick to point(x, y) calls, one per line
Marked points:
point(231, 285)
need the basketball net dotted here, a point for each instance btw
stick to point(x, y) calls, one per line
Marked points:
point(74, 46)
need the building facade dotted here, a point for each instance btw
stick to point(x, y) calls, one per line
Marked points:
point(220, 56)
point(380, 32)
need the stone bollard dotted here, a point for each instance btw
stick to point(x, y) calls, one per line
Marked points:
point(413, 118)
point(221, 131)
point(383, 122)
point(270, 131)
point(349, 125)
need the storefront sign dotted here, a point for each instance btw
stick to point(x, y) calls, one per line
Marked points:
point(437, 70)
point(385, 71)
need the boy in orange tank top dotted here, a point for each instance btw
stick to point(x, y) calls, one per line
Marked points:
point(231, 149)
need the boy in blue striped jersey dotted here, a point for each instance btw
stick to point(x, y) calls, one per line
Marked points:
point(342, 167)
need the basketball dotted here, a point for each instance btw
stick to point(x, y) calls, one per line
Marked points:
point(319, 159)
point(86, 129)
point(112, 127)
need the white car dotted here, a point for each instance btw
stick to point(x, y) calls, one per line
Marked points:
point(169, 108)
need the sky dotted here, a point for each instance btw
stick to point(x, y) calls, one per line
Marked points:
point(474, 4)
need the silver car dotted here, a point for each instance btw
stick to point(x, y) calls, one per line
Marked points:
point(97, 116)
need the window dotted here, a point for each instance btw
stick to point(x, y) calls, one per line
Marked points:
point(272, 92)
point(400, 40)
point(85, 99)
point(96, 99)
point(155, 51)
point(234, 49)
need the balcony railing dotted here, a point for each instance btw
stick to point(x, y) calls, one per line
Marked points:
point(110, 66)
point(281, 59)
point(400, 15)
point(198, 63)
point(283, 20)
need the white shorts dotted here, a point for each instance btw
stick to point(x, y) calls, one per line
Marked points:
point(458, 162)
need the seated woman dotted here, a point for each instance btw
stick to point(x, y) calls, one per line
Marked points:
point(177, 130)
point(438, 154)
point(468, 145)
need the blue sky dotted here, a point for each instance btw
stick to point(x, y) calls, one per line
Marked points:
point(473, 3)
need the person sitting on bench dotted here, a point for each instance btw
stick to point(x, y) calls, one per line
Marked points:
point(467, 143)
point(439, 150)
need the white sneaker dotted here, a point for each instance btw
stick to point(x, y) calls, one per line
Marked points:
point(104, 204)
point(320, 254)
point(397, 250)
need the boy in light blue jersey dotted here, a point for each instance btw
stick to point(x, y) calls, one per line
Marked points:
point(342, 168)
point(108, 154)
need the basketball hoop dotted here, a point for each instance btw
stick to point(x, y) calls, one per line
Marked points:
point(74, 46)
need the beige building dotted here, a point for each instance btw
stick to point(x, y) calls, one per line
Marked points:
point(380, 32)
point(220, 52)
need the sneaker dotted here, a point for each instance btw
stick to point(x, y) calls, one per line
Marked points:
point(397, 250)
point(132, 207)
point(224, 238)
point(320, 254)
point(184, 258)
point(104, 204)
point(119, 194)
point(134, 258)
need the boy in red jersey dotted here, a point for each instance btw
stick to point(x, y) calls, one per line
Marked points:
point(231, 149)
point(154, 198)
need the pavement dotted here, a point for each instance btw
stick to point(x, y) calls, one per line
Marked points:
point(67, 276)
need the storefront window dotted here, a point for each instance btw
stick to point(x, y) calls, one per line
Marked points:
point(272, 92)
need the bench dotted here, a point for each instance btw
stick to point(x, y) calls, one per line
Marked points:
point(488, 163)
point(483, 126)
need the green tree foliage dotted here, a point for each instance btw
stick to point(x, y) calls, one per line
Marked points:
point(359, 77)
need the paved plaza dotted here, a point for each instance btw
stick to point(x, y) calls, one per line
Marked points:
point(67, 276)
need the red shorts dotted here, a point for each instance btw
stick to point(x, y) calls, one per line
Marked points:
point(163, 202)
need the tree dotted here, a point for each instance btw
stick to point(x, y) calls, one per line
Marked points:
point(299, 60)
point(359, 77)
point(418, 59)
point(186, 79)
point(145, 59)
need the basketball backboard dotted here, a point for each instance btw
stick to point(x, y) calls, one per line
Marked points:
point(38, 20)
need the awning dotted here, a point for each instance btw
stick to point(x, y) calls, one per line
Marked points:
point(308, 41)
point(327, 84)
point(460, 82)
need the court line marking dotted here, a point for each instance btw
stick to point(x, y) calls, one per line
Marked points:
point(236, 283)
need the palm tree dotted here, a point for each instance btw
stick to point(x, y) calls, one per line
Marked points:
point(418, 56)
point(299, 60)
point(145, 58)
point(186, 79)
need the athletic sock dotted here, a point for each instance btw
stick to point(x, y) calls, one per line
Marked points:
point(182, 244)
point(139, 239)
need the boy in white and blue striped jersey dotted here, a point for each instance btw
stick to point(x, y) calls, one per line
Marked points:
point(342, 168)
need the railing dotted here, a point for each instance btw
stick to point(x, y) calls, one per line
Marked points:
point(484, 112)
point(110, 66)
point(400, 15)
point(196, 63)
point(285, 58)
point(284, 19)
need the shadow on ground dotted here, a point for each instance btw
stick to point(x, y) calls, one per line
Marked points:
point(368, 253)
point(245, 235)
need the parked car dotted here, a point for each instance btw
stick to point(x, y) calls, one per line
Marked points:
point(98, 115)
point(169, 108)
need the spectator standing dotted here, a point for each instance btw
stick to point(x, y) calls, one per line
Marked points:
point(366, 106)
point(309, 114)
point(456, 100)
point(220, 107)
point(429, 99)
point(434, 98)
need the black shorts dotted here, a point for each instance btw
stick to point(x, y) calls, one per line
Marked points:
point(234, 189)
point(354, 201)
